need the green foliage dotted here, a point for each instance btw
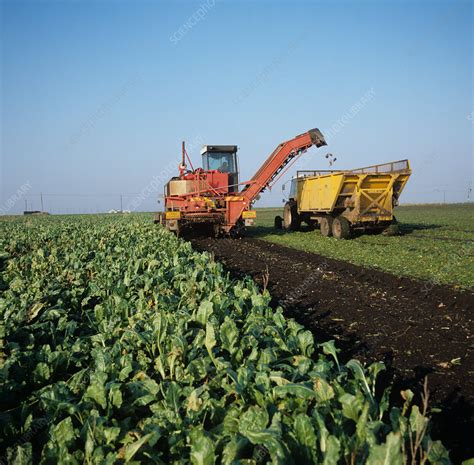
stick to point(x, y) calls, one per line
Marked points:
point(436, 244)
point(119, 343)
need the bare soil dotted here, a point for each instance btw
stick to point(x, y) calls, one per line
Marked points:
point(417, 328)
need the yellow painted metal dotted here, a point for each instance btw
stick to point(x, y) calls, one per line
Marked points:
point(249, 214)
point(172, 215)
point(319, 193)
point(361, 195)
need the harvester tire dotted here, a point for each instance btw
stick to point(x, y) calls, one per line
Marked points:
point(158, 219)
point(325, 226)
point(177, 232)
point(341, 228)
point(278, 222)
point(237, 231)
point(291, 219)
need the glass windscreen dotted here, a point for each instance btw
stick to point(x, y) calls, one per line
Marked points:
point(222, 161)
point(293, 189)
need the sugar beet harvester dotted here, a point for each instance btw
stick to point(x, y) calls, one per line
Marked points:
point(213, 196)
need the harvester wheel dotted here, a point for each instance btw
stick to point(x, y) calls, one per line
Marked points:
point(278, 222)
point(341, 228)
point(237, 231)
point(177, 232)
point(291, 219)
point(325, 226)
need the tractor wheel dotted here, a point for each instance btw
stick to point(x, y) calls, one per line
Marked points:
point(325, 226)
point(278, 222)
point(291, 218)
point(341, 228)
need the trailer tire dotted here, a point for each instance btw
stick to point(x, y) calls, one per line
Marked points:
point(341, 228)
point(292, 220)
point(325, 226)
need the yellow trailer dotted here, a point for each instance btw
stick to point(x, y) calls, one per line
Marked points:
point(343, 201)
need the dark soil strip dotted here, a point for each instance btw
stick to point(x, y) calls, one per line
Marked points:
point(416, 328)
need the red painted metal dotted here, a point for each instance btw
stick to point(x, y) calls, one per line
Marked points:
point(278, 162)
point(184, 156)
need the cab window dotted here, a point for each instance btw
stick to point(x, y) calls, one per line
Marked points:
point(293, 188)
point(224, 162)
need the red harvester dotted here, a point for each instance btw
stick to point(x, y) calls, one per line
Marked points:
point(212, 196)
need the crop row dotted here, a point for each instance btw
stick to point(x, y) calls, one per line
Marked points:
point(119, 343)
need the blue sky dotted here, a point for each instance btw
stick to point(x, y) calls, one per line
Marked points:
point(98, 95)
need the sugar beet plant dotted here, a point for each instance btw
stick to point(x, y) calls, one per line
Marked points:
point(119, 343)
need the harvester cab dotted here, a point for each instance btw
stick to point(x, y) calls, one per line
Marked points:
point(222, 158)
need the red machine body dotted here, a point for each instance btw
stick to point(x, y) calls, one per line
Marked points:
point(217, 182)
point(214, 197)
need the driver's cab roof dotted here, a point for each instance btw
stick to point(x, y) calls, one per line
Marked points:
point(218, 148)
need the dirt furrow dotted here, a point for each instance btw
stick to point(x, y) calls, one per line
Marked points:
point(416, 328)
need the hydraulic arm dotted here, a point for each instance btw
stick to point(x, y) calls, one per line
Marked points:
point(280, 160)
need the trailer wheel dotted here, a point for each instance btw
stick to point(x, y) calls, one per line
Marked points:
point(291, 219)
point(325, 226)
point(341, 228)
